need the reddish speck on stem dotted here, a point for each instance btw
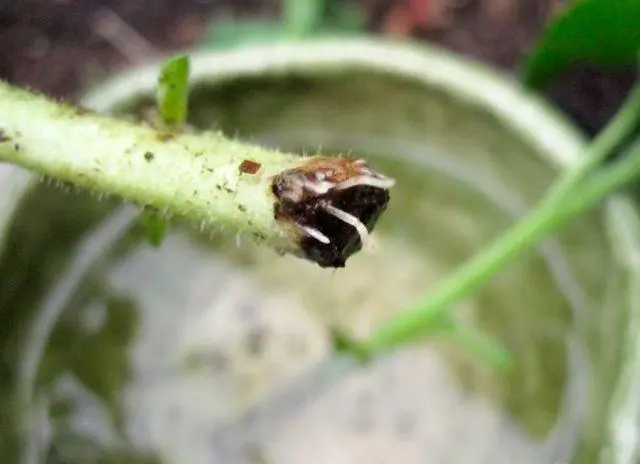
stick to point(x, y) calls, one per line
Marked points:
point(249, 167)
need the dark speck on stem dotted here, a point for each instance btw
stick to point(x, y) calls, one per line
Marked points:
point(16, 147)
point(4, 137)
point(148, 156)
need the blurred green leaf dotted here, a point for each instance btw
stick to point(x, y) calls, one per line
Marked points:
point(595, 32)
point(156, 227)
point(172, 92)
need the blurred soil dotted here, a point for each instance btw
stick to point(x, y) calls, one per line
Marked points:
point(61, 46)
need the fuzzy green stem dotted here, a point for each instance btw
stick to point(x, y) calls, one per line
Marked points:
point(195, 177)
point(423, 317)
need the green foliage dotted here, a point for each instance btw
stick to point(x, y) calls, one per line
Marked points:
point(596, 32)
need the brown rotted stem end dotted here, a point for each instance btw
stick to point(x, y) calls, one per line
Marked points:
point(307, 199)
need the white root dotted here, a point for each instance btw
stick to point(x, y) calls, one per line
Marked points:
point(315, 233)
point(380, 182)
point(351, 220)
point(319, 188)
point(295, 193)
point(322, 184)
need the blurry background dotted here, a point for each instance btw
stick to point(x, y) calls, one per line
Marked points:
point(61, 46)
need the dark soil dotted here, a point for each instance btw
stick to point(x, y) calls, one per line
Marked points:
point(60, 46)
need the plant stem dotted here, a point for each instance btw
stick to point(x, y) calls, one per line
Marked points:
point(552, 211)
point(624, 122)
point(423, 317)
point(195, 177)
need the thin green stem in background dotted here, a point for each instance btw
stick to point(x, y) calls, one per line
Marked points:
point(422, 318)
point(560, 205)
point(472, 339)
point(624, 122)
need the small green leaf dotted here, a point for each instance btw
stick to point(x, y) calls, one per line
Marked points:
point(173, 91)
point(156, 227)
point(595, 32)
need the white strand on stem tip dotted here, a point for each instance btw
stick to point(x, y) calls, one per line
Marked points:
point(315, 233)
point(383, 183)
point(349, 219)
